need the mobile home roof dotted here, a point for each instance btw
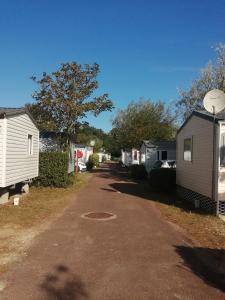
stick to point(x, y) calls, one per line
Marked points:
point(204, 115)
point(10, 112)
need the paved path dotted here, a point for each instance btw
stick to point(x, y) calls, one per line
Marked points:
point(135, 256)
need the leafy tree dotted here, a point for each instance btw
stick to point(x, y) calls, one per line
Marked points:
point(64, 95)
point(142, 120)
point(98, 144)
point(112, 143)
point(86, 134)
point(211, 77)
point(42, 117)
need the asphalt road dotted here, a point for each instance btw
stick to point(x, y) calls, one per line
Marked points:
point(135, 255)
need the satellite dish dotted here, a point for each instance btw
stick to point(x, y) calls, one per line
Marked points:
point(214, 101)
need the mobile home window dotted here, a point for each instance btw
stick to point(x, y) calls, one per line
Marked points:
point(222, 150)
point(157, 155)
point(30, 144)
point(164, 155)
point(188, 149)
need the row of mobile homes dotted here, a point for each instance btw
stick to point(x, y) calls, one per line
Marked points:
point(151, 152)
point(201, 161)
point(19, 149)
point(54, 141)
point(103, 156)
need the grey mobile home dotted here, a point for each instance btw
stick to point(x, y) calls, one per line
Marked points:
point(195, 161)
point(152, 151)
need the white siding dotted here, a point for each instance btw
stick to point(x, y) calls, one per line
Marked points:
point(171, 154)
point(135, 161)
point(126, 157)
point(221, 169)
point(196, 175)
point(20, 165)
point(150, 158)
point(143, 154)
point(1, 150)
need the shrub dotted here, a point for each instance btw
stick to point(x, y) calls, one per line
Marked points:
point(138, 171)
point(53, 169)
point(90, 164)
point(162, 180)
point(115, 158)
point(93, 161)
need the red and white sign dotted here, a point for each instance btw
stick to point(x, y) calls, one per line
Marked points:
point(78, 154)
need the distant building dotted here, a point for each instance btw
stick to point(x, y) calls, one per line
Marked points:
point(103, 156)
point(53, 141)
point(130, 157)
point(150, 152)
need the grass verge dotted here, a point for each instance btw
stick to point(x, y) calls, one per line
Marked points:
point(39, 204)
point(19, 225)
point(208, 230)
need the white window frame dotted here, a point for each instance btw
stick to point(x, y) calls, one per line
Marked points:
point(222, 149)
point(186, 158)
point(30, 144)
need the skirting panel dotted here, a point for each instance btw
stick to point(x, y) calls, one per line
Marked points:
point(222, 207)
point(205, 203)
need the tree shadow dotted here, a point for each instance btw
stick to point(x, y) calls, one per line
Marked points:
point(62, 284)
point(206, 263)
point(141, 189)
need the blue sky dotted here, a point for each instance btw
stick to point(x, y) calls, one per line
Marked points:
point(144, 48)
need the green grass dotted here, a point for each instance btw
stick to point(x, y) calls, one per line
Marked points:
point(40, 204)
point(208, 230)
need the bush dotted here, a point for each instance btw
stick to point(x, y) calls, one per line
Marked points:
point(93, 161)
point(138, 171)
point(53, 169)
point(90, 165)
point(163, 180)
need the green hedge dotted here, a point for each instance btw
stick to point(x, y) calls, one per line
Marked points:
point(93, 161)
point(138, 171)
point(163, 180)
point(53, 169)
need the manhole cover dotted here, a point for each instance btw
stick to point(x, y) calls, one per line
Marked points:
point(101, 216)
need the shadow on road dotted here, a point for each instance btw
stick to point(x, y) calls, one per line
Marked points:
point(202, 262)
point(208, 264)
point(141, 189)
point(112, 171)
point(62, 284)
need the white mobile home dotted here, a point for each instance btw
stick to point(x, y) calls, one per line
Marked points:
point(86, 150)
point(103, 156)
point(152, 151)
point(197, 180)
point(130, 157)
point(50, 141)
point(54, 141)
point(19, 147)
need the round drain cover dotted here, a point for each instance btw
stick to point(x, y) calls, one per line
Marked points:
point(101, 216)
